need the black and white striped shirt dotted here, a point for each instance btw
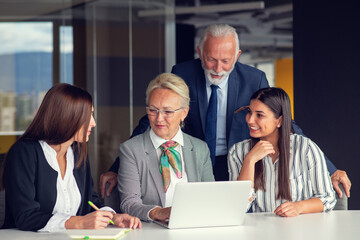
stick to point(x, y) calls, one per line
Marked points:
point(309, 177)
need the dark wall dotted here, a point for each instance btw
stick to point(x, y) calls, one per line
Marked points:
point(185, 35)
point(327, 82)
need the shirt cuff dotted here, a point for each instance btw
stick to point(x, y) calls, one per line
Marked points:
point(109, 209)
point(56, 223)
point(252, 197)
point(148, 213)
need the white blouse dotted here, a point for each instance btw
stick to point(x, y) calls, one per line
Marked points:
point(68, 195)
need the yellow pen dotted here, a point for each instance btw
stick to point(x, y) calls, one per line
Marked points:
point(97, 209)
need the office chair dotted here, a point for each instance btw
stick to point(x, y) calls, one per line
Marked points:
point(342, 203)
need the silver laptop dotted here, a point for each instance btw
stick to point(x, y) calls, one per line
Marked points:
point(208, 204)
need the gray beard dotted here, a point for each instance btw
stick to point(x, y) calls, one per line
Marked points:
point(216, 81)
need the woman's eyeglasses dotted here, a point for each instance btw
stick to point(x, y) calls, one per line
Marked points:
point(166, 113)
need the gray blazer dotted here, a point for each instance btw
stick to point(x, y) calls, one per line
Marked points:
point(140, 183)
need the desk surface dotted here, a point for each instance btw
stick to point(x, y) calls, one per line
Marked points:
point(336, 225)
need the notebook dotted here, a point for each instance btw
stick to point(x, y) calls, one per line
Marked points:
point(110, 232)
point(208, 204)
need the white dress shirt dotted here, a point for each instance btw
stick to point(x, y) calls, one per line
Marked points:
point(222, 93)
point(309, 177)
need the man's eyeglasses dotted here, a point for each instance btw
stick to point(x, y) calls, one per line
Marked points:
point(166, 113)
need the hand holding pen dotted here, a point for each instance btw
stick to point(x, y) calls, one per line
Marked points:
point(97, 209)
point(122, 220)
point(94, 220)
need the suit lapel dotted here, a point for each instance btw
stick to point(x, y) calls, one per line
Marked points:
point(189, 159)
point(233, 85)
point(202, 96)
point(153, 164)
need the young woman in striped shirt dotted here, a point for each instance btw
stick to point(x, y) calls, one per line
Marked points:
point(288, 171)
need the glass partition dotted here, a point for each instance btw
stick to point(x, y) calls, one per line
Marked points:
point(112, 48)
point(104, 46)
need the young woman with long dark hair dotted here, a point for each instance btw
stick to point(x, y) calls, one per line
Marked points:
point(47, 175)
point(288, 171)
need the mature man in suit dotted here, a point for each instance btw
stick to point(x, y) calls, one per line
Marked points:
point(218, 51)
point(235, 82)
point(145, 191)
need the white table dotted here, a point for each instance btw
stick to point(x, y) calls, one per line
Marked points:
point(336, 225)
point(12, 234)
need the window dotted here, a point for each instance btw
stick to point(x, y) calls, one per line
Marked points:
point(26, 67)
point(66, 54)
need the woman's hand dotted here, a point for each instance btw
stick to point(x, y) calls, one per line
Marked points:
point(127, 221)
point(288, 209)
point(259, 151)
point(94, 220)
point(292, 209)
point(160, 214)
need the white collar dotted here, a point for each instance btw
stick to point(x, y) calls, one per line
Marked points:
point(157, 141)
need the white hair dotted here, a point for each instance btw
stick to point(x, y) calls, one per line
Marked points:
point(219, 30)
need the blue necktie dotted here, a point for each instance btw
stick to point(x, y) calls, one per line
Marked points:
point(210, 125)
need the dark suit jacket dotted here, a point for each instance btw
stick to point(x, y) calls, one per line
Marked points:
point(243, 82)
point(30, 187)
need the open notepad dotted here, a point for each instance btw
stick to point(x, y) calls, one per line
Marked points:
point(107, 233)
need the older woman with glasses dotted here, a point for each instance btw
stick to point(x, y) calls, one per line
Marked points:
point(151, 164)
